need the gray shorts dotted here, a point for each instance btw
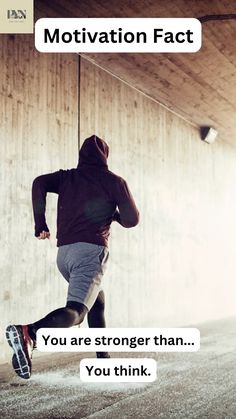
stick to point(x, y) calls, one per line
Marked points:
point(82, 265)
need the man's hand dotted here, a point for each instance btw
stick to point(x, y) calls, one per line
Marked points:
point(44, 235)
point(116, 216)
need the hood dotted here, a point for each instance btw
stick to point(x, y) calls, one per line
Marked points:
point(94, 152)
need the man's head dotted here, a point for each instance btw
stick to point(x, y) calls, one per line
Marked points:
point(94, 152)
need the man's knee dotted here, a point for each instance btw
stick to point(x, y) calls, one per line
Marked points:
point(79, 307)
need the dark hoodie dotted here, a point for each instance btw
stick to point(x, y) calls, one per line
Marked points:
point(88, 198)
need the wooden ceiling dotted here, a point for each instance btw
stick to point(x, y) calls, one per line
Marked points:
point(200, 87)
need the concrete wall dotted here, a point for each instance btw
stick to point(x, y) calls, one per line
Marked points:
point(178, 266)
point(38, 134)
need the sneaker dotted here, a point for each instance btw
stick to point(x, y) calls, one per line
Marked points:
point(103, 355)
point(22, 345)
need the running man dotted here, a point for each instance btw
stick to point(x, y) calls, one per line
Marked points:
point(90, 197)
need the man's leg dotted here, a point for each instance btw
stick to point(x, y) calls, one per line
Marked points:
point(96, 318)
point(82, 265)
point(68, 316)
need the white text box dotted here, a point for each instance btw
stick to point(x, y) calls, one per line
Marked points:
point(125, 370)
point(118, 339)
point(118, 35)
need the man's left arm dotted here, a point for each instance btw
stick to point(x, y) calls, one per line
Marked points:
point(42, 185)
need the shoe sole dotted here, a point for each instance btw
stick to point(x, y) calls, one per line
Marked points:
point(20, 361)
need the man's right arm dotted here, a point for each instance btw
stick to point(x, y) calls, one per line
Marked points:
point(127, 214)
point(42, 185)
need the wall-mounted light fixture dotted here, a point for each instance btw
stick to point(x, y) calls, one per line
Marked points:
point(208, 134)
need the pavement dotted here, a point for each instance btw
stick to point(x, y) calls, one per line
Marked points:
point(189, 385)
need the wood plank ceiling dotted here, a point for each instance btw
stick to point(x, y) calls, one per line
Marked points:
point(200, 87)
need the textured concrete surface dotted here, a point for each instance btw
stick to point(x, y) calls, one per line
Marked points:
point(182, 254)
point(39, 134)
point(189, 385)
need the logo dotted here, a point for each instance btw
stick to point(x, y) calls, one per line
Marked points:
point(13, 14)
point(16, 16)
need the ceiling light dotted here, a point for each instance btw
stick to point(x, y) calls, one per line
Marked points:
point(208, 134)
